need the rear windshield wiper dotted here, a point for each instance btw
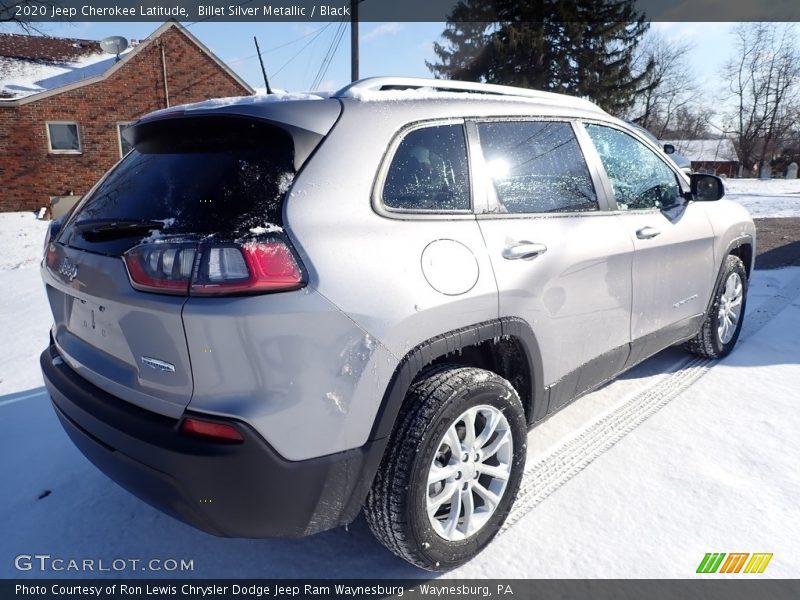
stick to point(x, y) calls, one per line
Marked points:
point(115, 228)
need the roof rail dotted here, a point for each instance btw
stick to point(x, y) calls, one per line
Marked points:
point(385, 84)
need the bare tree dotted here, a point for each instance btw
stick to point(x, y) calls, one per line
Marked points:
point(670, 85)
point(690, 123)
point(764, 75)
point(8, 13)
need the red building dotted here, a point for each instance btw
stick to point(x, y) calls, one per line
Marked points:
point(63, 104)
point(717, 157)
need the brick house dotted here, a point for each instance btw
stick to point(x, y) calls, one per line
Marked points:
point(63, 104)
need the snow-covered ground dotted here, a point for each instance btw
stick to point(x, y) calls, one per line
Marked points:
point(766, 197)
point(640, 479)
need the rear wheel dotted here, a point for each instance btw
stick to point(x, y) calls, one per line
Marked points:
point(452, 468)
point(723, 323)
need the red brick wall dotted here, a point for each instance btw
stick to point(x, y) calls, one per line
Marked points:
point(29, 174)
point(729, 169)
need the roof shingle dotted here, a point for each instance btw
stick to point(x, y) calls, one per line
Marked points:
point(46, 49)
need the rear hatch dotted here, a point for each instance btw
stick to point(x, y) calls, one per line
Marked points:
point(189, 208)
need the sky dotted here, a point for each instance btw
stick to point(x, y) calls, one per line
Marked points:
point(294, 53)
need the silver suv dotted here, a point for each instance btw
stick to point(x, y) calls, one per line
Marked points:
point(276, 312)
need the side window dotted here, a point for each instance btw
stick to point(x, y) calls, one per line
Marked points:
point(640, 178)
point(537, 166)
point(429, 171)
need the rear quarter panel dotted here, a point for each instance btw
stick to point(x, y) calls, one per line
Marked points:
point(368, 265)
point(290, 364)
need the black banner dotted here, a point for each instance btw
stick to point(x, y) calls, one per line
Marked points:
point(368, 10)
point(445, 589)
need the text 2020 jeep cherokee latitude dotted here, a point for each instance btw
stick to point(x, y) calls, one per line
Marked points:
point(271, 315)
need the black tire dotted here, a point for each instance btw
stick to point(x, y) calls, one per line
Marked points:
point(395, 508)
point(707, 343)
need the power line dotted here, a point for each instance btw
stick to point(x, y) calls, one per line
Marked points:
point(328, 59)
point(309, 65)
point(294, 41)
point(274, 48)
point(315, 33)
point(299, 52)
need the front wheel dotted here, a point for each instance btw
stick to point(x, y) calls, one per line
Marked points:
point(723, 323)
point(452, 468)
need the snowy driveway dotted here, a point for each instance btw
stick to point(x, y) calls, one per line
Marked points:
point(640, 479)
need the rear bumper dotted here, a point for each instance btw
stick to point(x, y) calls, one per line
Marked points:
point(234, 490)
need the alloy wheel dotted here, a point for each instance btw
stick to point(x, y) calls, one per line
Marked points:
point(469, 472)
point(730, 308)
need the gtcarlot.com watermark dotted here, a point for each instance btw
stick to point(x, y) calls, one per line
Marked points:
point(45, 563)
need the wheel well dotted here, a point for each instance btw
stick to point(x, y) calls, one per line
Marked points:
point(504, 346)
point(745, 254)
point(505, 356)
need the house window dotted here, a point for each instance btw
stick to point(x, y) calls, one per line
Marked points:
point(124, 145)
point(63, 137)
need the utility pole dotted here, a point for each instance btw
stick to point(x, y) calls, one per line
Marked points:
point(354, 40)
point(263, 70)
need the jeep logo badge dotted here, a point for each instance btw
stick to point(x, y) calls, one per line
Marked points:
point(68, 269)
point(158, 365)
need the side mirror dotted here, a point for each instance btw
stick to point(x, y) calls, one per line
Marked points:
point(669, 149)
point(706, 187)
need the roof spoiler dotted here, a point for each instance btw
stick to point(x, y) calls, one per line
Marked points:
point(306, 121)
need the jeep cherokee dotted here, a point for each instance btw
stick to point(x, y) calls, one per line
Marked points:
point(275, 312)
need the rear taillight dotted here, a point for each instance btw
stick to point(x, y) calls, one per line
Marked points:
point(210, 269)
point(165, 268)
point(253, 267)
point(51, 256)
point(219, 432)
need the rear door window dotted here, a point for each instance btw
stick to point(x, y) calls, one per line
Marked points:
point(537, 167)
point(210, 176)
point(429, 171)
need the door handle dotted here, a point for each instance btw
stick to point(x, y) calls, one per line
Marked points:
point(646, 233)
point(523, 250)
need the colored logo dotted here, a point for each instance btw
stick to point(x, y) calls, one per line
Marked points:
point(736, 562)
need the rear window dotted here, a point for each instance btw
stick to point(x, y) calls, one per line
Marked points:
point(225, 177)
point(429, 171)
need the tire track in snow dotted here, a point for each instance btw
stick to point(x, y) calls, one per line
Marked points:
point(555, 469)
point(769, 309)
point(21, 398)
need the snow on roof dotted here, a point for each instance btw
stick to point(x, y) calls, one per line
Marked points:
point(23, 77)
point(33, 65)
point(721, 150)
point(373, 90)
point(30, 64)
point(239, 101)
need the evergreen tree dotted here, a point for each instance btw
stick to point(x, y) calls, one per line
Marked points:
point(580, 47)
point(467, 39)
